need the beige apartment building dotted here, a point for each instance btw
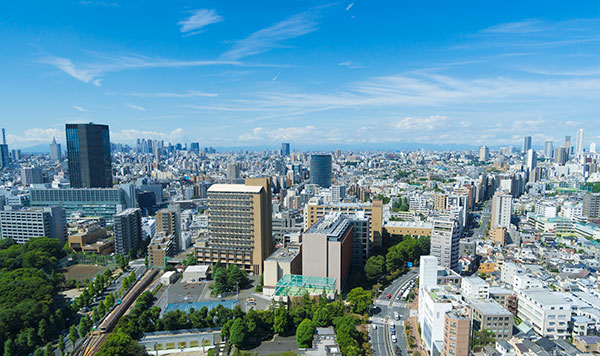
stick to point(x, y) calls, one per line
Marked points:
point(285, 260)
point(239, 225)
point(161, 247)
point(457, 332)
point(316, 209)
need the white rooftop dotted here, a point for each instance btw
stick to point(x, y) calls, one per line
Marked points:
point(234, 188)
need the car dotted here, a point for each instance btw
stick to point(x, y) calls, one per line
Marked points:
point(393, 331)
point(398, 297)
point(394, 339)
point(397, 351)
point(388, 296)
point(374, 326)
point(396, 316)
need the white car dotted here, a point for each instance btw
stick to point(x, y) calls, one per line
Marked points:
point(374, 326)
point(394, 339)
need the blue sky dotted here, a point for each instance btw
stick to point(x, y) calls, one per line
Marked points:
point(248, 73)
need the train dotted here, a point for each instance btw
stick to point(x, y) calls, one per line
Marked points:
point(111, 319)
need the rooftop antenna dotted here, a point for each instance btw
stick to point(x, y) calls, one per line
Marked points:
point(3, 136)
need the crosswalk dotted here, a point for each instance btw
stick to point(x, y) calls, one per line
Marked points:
point(386, 303)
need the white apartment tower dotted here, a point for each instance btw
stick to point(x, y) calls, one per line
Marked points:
point(501, 210)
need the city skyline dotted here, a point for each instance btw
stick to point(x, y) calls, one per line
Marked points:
point(351, 72)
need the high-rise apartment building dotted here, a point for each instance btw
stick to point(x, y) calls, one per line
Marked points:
point(233, 171)
point(526, 144)
point(239, 225)
point(88, 150)
point(327, 247)
point(22, 225)
point(55, 150)
point(591, 205)
point(161, 247)
point(338, 193)
point(548, 149)
point(320, 170)
point(501, 210)
point(457, 332)
point(445, 236)
point(31, 175)
point(579, 143)
point(128, 230)
point(561, 156)
point(285, 149)
point(168, 221)
point(316, 209)
point(428, 271)
point(484, 154)
point(440, 201)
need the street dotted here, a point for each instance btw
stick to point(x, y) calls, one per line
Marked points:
point(383, 317)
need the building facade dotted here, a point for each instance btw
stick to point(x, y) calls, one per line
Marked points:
point(320, 170)
point(88, 150)
point(445, 237)
point(128, 230)
point(22, 225)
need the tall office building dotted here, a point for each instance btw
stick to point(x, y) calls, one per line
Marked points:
point(22, 225)
point(285, 149)
point(579, 143)
point(526, 144)
point(129, 194)
point(88, 149)
point(568, 145)
point(195, 147)
point(327, 247)
point(593, 147)
point(484, 154)
point(338, 193)
point(561, 156)
point(445, 236)
point(4, 157)
point(531, 160)
point(591, 205)
point(55, 150)
point(239, 225)
point(320, 170)
point(501, 210)
point(128, 230)
point(31, 175)
point(548, 149)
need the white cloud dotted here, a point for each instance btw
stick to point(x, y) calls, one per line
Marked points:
point(273, 36)
point(133, 134)
point(349, 64)
point(525, 26)
point(186, 94)
point(135, 107)
point(79, 108)
point(350, 6)
point(199, 19)
point(416, 124)
point(34, 136)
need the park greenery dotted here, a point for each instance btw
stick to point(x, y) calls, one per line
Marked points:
point(395, 261)
point(228, 279)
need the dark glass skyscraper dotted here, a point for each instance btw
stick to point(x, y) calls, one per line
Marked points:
point(320, 170)
point(88, 149)
point(285, 149)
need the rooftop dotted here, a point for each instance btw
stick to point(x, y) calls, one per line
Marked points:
point(298, 285)
point(234, 188)
point(545, 297)
point(285, 253)
point(490, 308)
point(332, 225)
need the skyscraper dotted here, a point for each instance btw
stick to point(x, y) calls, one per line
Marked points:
point(484, 154)
point(285, 149)
point(560, 156)
point(320, 170)
point(55, 150)
point(88, 149)
point(548, 149)
point(579, 144)
point(128, 230)
point(31, 175)
point(4, 158)
point(568, 145)
point(531, 162)
point(526, 144)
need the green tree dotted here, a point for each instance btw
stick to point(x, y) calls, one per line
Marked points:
point(61, 344)
point(359, 300)
point(236, 276)
point(304, 333)
point(220, 278)
point(121, 344)
point(85, 326)
point(109, 301)
point(280, 320)
point(238, 333)
point(38, 352)
point(9, 348)
point(322, 316)
point(225, 329)
point(42, 329)
point(375, 268)
point(49, 350)
point(73, 335)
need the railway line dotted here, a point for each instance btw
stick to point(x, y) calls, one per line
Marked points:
point(96, 339)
